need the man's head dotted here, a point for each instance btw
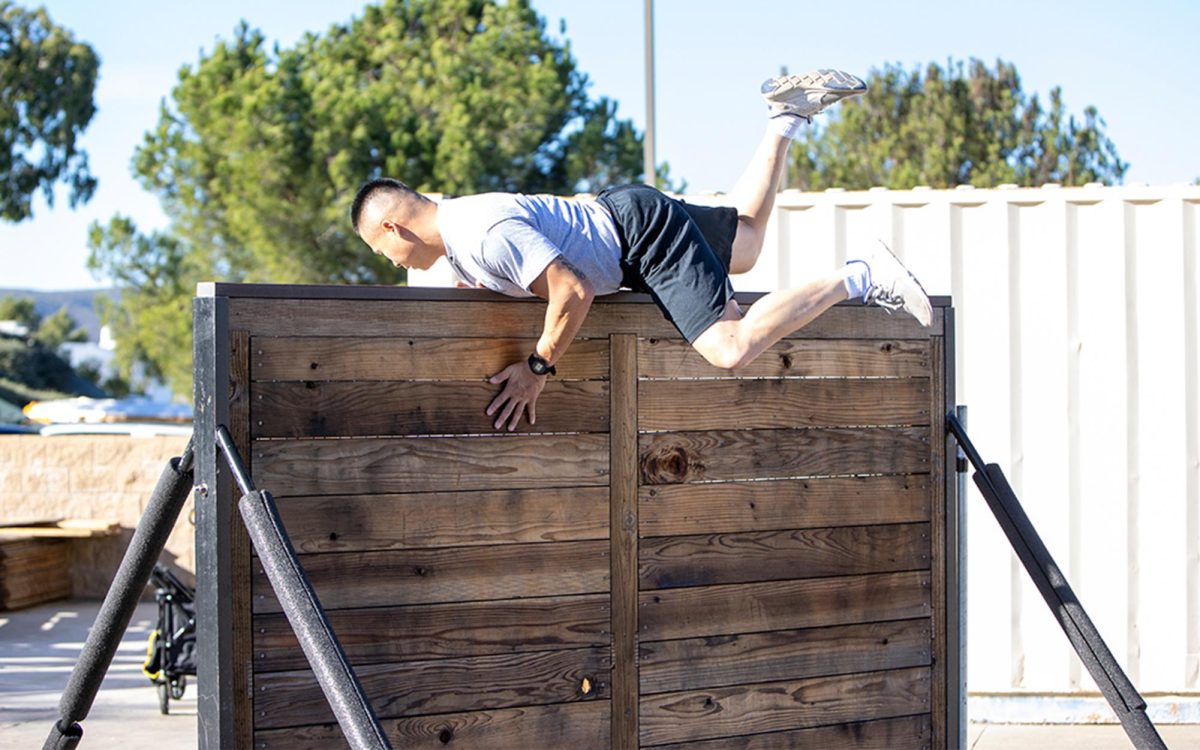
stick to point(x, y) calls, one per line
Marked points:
point(396, 222)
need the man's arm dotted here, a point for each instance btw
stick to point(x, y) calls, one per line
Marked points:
point(569, 297)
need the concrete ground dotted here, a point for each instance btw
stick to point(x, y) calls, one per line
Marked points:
point(38, 648)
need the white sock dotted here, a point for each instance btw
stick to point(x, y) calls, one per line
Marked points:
point(857, 277)
point(788, 125)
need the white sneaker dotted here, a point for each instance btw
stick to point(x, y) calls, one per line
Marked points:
point(893, 287)
point(806, 94)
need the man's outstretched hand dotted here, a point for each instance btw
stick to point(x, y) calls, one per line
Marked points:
point(521, 390)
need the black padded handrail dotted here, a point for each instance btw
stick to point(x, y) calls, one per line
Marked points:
point(1114, 685)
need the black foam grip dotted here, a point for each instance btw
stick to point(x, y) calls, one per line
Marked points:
point(303, 610)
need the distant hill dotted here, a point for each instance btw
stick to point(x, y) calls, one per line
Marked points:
point(79, 302)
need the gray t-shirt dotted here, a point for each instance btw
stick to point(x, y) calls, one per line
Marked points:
point(504, 241)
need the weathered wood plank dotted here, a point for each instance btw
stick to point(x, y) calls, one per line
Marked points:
point(718, 661)
point(674, 358)
point(566, 725)
point(904, 733)
point(777, 605)
point(433, 631)
point(411, 358)
point(938, 583)
point(348, 409)
point(506, 318)
point(623, 522)
point(355, 523)
point(359, 466)
point(669, 510)
point(516, 571)
point(240, 549)
point(669, 562)
point(675, 457)
point(780, 403)
point(787, 705)
point(283, 699)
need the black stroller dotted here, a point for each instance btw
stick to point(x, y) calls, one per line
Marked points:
point(171, 650)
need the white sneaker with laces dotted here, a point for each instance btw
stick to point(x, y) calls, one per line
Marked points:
point(893, 287)
point(806, 94)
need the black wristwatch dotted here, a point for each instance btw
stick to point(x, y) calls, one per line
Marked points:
point(540, 366)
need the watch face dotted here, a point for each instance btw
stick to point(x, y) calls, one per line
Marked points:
point(538, 365)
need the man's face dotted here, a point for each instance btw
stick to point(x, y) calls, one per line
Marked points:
point(400, 246)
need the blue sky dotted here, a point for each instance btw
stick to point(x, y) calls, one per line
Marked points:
point(1136, 62)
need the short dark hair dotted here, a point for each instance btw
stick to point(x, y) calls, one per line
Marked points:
point(371, 189)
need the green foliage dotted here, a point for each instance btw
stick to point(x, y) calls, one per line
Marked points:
point(961, 125)
point(59, 329)
point(258, 153)
point(34, 365)
point(22, 310)
point(51, 332)
point(47, 79)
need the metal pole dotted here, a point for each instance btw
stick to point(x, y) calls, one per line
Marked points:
point(303, 610)
point(961, 468)
point(649, 172)
point(1114, 684)
point(166, 502)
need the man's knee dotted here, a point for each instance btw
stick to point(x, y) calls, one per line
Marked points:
point(723, 352)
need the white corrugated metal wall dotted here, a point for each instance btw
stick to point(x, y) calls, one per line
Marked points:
point(1077, 355)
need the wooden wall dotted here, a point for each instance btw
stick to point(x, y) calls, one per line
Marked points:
point(673, 556)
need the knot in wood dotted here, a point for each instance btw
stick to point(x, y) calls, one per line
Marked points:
point(666, 463)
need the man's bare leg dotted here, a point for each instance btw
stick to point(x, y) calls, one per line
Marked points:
point(738, 338)
point(754, 198)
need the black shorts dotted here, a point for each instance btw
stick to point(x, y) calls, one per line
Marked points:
point(677, 252)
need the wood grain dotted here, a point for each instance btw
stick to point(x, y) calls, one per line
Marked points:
point(567, 725)
point(783, 706)
point(411, 358)
point(506, 318)
point(623, 522)
point(937, 461)
point(777, 605)
point(446, 407)
point(380, 579)
point(903, 733)
point(742, 404)
point(240, 552)
point(866, 358)
point(431, 631)
point(675, 457)
point(668, 510)
point(283, 699)
point(360, 466)
point(354, 523)
point(669, 562)
point(694, 663)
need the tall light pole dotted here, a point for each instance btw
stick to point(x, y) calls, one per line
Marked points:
point(648, 169)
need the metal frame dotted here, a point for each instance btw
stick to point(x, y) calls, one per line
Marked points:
point(214, 516)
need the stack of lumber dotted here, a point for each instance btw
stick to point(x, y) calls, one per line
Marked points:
point(33, 571)
point(35, 560)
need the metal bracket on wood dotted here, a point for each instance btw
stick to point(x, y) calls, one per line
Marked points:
point(1116, 687)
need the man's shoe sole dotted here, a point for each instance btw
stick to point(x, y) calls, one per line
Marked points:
point(781, 89)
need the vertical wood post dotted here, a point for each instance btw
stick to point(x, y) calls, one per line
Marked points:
point(623, 538)
point(938, 528)
point(240, 558)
